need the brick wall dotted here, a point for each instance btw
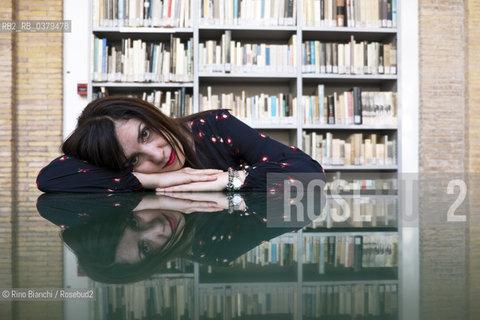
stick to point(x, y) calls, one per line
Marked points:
point(473, 147)
point(449, 142)
point(30, 133)
point(442, 86)
point(6, 99)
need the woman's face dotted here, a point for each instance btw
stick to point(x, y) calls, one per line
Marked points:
point(146, 150)
point(148, 233)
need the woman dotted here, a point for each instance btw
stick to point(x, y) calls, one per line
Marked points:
point(125, 144)
point(129, 237)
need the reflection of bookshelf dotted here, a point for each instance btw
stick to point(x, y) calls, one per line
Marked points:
point(244, 301)
point(333, 259)
point(334, 301)
point(272, 261)
point(165, 297)
point(350, 256)
point(357, 213)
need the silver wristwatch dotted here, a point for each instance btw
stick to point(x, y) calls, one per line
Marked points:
point(234, 181)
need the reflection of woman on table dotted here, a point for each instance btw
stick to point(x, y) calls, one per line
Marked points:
point(125, 144)
point(124, 238)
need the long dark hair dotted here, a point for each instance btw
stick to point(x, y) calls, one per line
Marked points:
point(95, 243)
point(94, 139)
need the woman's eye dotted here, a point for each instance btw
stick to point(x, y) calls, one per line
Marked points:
point(145, 134)
point(145, 248)
point(132, 162)
point(133, 223)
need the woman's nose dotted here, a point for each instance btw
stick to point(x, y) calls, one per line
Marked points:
point(154, 153)
point(157, 235)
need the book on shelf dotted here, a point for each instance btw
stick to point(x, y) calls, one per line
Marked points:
point(142, 13)
point(352, 58)
point(348, 301)
point(355, 252)
point(253, 109)
point(129, 60)
point(248, 12)
point(227, 55)
point(357, 149)
point(353, 107)
point(350, 13)
point(173, 103)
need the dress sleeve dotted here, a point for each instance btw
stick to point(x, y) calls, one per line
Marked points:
point(68, 174)
point(263, 155)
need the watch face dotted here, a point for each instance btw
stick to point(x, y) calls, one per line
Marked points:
point(236, 200)
point(237, 183)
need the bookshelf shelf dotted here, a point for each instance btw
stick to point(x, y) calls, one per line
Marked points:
point(247, 284)
point(365, 194)
point(365, 77)
point(331, 233)
point(307, 283)
point(140, 30)
point(172, 275)
point(272, 126)
point(319, 127)
point(249, 76)
point(361, 168)
point(269, 29)
point(142, 84)
point(310, 273)
point(350, 30)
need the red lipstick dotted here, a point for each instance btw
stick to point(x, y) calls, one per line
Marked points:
point(172, 222)
point(171, 159)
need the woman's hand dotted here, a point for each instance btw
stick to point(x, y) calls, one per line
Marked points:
point(184, 202)
point(217, 184)
point(183, 176)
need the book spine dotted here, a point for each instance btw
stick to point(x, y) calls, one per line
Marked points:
point(357, 105)
point(340, 13)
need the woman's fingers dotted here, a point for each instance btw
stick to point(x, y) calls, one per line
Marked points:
point(217, 183)
point(201, 171)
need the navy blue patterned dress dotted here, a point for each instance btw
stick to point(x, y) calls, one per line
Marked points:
point(221, 141)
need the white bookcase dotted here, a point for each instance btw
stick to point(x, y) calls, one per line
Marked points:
point(78, 61)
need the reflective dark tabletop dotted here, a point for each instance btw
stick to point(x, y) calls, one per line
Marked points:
point(411, 252)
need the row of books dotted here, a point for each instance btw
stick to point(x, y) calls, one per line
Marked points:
point(361, 212)
point(240, 302)
point(355, 252)
point(167, 298)
point(139, 61)
point(354, 149)
point(173, 103)
point(253, 109)
point(350, 13)
point(350, 301)
point(280, 251)
point(142, 13)
point(350, 107)
point(227, 55)
point(355, 58)
point(248, 12)
point(178, 13)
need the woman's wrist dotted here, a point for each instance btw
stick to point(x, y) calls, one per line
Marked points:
point(236, 179)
